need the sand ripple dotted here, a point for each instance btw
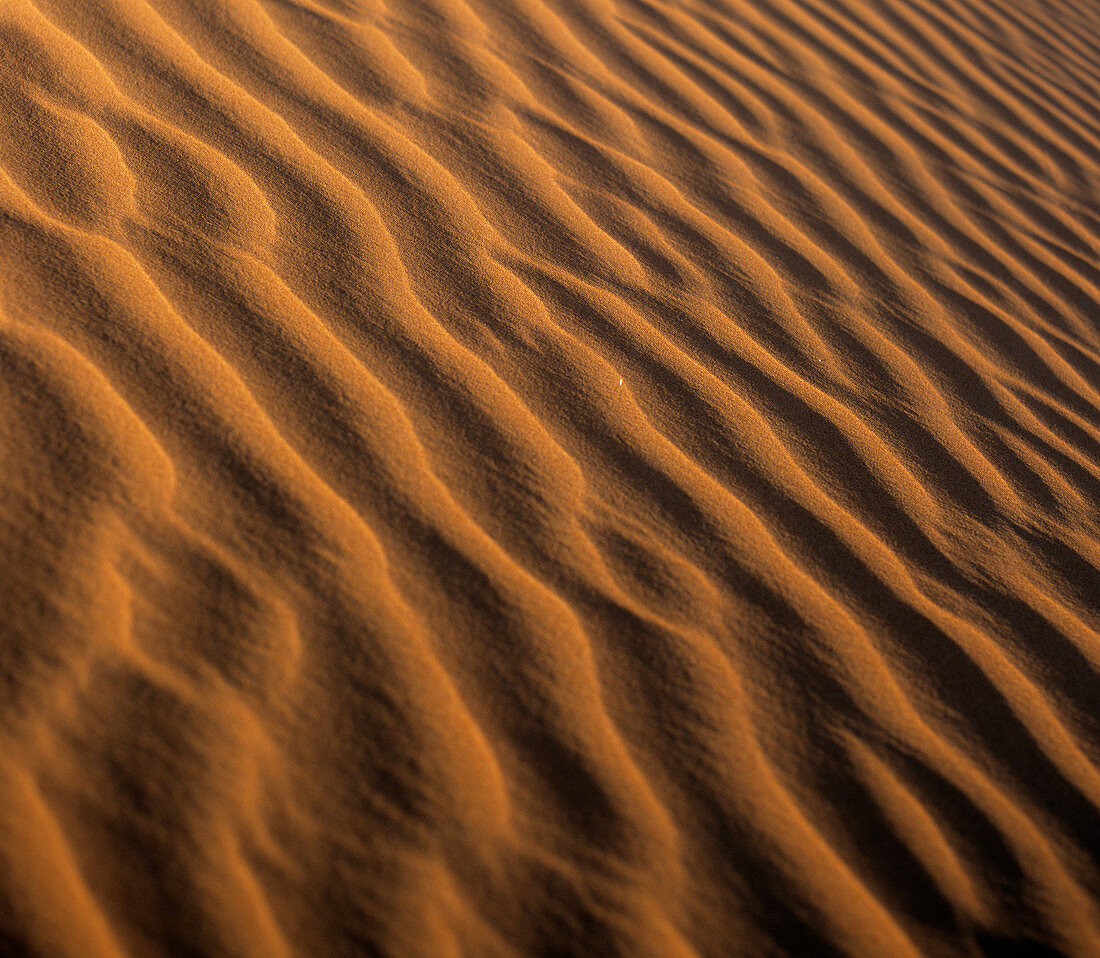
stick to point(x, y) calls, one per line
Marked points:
point(559, 477)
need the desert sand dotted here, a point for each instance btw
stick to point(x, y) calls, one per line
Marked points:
point(549, 478)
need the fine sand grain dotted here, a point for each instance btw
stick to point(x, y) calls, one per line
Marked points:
point(556, 478)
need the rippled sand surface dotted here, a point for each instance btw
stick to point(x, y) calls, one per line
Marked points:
point(560, 478)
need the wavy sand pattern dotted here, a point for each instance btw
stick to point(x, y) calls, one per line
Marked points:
point(550, 477)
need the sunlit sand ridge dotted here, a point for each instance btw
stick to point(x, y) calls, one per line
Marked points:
point(549, 478)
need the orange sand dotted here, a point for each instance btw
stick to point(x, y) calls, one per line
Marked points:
point(549, 478)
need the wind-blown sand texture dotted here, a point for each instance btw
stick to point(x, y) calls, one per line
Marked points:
point(549, 478)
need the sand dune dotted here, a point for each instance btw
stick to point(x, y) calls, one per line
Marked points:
point(549, 478)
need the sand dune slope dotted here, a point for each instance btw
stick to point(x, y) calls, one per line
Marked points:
point(549, 478)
